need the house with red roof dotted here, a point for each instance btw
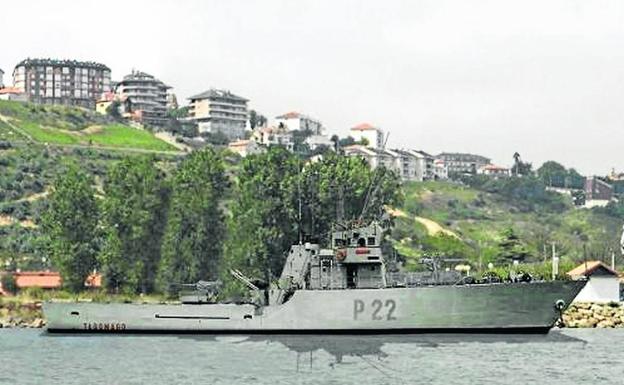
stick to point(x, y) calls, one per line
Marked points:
point(494, 171)
point(47, 280)
point(12, 93)
point(294, 120)
point(371, 134)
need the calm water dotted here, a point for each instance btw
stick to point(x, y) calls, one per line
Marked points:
point(570, 357)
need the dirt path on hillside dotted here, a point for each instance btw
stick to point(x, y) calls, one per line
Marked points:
point(434, 228)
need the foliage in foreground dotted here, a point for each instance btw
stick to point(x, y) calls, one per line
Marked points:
point(193, 241)
point(71, 226)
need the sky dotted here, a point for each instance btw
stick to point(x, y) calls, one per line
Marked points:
point(543, 78)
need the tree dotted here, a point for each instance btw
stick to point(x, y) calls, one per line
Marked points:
point(113, 110)
point(511, 247)
point(299, 138)
point(521, 168)
point(552, 174)
point(348, 141)
point(256, 119)
point(263, 220)
point(336, 189)
point(134, 217)
point(7, 282)
point(70, 225)
point(193, 242)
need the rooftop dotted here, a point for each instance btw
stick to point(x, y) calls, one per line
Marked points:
point(591, 267)
point(364, 127)
point(239, 143)
point(141, 76)
point(43, 279)
point(289, 115)
point(64, 62)
point(215, 93)
point(493, 167)
point(10, 90)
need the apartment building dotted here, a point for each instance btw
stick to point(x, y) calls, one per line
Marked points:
point(67, 82)
point(219, 111)
point(297, 121)
point(462, 163)
point(147, 97)
point(425, 165)
point(375, 157)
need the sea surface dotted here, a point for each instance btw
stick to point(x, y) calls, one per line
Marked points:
point(579, 356)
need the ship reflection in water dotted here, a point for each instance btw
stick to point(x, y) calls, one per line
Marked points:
point(370, 347)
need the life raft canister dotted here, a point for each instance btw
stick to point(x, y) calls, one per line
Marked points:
point(341, 254)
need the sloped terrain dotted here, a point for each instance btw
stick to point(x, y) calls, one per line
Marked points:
point(479, 218)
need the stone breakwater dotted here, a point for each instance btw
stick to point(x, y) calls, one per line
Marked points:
point(21, 315)
point(594, 315)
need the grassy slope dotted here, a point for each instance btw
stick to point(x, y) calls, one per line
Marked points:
point(478, 218)
point(73, 126)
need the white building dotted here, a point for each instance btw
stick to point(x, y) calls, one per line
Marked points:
point(425, 167)
point(603, 285)
point(274, 136)
point(406, 164)
point(1, 77)
point(440, 170)
point(300, 122)
point(373, 156)
point(373, 135)
point(316, 141)
point(12, 93)
point(245, 147)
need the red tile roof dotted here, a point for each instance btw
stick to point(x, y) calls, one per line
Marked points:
point(289, 115)
point(43, 279)
point(49, 279)
point(10, 90)
point(363, 127)
point(94, 280)
point(239, 143)
point(494, 167)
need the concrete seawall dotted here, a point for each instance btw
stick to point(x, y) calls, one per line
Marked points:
point(594, 315)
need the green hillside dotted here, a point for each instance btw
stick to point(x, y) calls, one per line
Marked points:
point(454, 220)
point(71, 126)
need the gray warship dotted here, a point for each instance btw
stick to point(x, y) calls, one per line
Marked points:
point(348, 287)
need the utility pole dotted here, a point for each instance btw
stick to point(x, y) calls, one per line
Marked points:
point(555, 262)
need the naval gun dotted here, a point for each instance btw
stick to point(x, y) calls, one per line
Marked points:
point(199, 292)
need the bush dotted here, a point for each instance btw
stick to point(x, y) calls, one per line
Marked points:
point(8, 283)
point(34, 293)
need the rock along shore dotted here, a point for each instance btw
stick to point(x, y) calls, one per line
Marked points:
point(594, 315)
point(21, 315)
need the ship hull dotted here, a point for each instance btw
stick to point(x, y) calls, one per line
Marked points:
point(498, 308)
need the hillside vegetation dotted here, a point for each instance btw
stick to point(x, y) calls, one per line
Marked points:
point(50, 124)
point(474, 223)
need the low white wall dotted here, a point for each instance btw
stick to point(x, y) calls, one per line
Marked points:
point(600, 289)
